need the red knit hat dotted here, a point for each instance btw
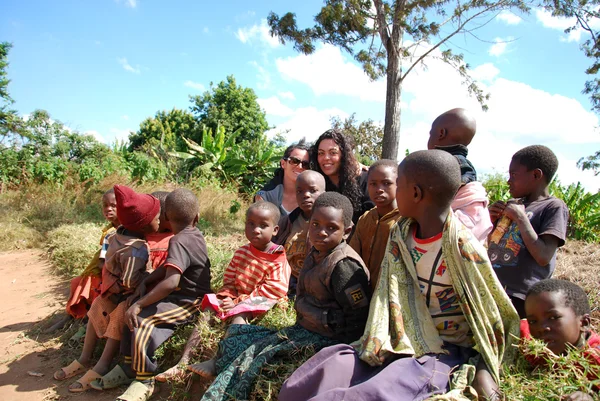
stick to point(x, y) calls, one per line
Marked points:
point(135, 211)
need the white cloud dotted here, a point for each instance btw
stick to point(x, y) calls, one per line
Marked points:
point(125, 117)
point(96, 135)
point(328, 71)
point(127, 67)
point(499, 48)
point(273, 106)
point(485, 72)
point(509, 18)
point(128, 3)
point(263, 76)
point(562, 23)
point(307, 122)
point(121, 135)
point(206, 29)
point(194, 85)
point(258, 33)
point(286, 95)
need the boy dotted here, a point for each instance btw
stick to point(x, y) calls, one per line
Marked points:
point(331, 306)
point(523, 245)
point(179, 286)
point(373, 228)
point(436, 300)
point(124, 268)
point(309, 185)
point(452, 132)
point(158, 243)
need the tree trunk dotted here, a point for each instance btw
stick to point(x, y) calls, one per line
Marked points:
point(391, 130)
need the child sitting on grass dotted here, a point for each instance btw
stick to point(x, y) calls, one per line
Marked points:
point(530, 228)
point(558, 313)
point(255, 280)
point(452, 132)
point(331, 306)
point(309, 186)
point(178, 288)
point(437, 301)
point(125, 266)
point(373, 228)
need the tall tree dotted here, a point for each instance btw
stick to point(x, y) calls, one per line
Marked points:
point(367, 136)
point(231, 106)
point(391, 38)
point(10, 122)
point(166, 129)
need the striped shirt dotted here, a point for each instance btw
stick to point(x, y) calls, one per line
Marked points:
point(253, 273)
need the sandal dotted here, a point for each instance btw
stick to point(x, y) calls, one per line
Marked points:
point(85, 381)
point(137, 391)
point(73, 369)
point(76, 338)
point(112, 379)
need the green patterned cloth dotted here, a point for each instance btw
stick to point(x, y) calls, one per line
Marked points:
point(399, 320)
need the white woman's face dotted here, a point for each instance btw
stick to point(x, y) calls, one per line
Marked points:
point(295, 164)
point(329, 157)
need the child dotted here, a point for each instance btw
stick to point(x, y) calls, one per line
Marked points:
point(558, 313)
point(452, 132)
point(436, 300)
point(125, 266)
point(523, 245)
point(373, 228)
point(331, 306)
point(158, 243)
point(178, 288)
point(86, 287)
point(309, 186)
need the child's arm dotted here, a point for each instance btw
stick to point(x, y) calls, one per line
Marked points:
point(154, 277)
point(134, 266)
point(228, 289)
point(161, 291)
point(484, 384)
point(577, 396)
point(350, 285)
point(541, 247)
point(496, 209)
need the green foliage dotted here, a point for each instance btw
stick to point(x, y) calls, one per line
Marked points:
point(584, 211)
point(10, 122)
point(232, 107)
point(496, 187)
point(166, 130)
point(367, 136)
point(591, 162)
point(72, 246)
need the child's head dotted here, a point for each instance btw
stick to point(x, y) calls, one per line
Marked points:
point(139, 213)
point(558, 313)
point(109, 207)
point(181, 209)
point(262, 220)
point(427, 183)
point(309, 185)
point(454, 127)
point(382, 184)
point(331, 221)
point(165, 225)
point(531, 168)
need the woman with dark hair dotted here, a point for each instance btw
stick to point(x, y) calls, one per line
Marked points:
point(333, 157)
point(281, 190)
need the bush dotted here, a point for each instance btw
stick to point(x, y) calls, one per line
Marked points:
point(72, 246)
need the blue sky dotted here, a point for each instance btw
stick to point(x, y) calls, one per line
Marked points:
point(103, 66)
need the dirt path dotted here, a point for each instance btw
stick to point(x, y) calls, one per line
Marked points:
point(30, 296)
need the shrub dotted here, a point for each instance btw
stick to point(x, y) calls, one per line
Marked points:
point(72, 246)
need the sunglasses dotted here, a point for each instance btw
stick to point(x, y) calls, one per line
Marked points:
point(295, 161)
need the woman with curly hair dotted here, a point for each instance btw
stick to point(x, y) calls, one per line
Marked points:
point(332, 156)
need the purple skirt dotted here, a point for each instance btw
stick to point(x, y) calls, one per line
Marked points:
point(336, 373)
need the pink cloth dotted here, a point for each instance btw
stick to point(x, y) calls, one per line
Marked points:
point(254, 305)
point(470, 206)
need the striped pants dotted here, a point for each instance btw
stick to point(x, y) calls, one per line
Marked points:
point(156, 323)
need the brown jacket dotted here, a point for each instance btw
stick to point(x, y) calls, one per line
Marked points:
point(370, 239)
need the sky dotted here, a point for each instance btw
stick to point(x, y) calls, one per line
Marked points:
point(101, 67)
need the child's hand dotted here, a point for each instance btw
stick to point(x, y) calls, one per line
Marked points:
point(514, 210)
point(496, 209)
point(130, 316)
point(139, 292)
point(227, 304)
point(577, 396)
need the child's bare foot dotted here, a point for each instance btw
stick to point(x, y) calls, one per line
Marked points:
point(207, 369)
point(176, 373)
point(62, 322)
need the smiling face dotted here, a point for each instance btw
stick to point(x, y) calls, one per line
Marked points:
point(308, 190)
point(109, 208)
point(295, 164)
point(382, 188)
point(329, 157)
point(260, 227)
point(326, 228)
point(551, 321)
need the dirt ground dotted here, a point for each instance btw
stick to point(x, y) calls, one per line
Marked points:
point(31, 298)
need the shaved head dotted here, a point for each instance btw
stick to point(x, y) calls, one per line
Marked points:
point(314, 176)
point(454, 127)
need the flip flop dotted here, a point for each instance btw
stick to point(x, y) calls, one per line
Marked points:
point(85, 381)
point(76, 338)
point(73, 369)
point(112, 379)
point(137, 391)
